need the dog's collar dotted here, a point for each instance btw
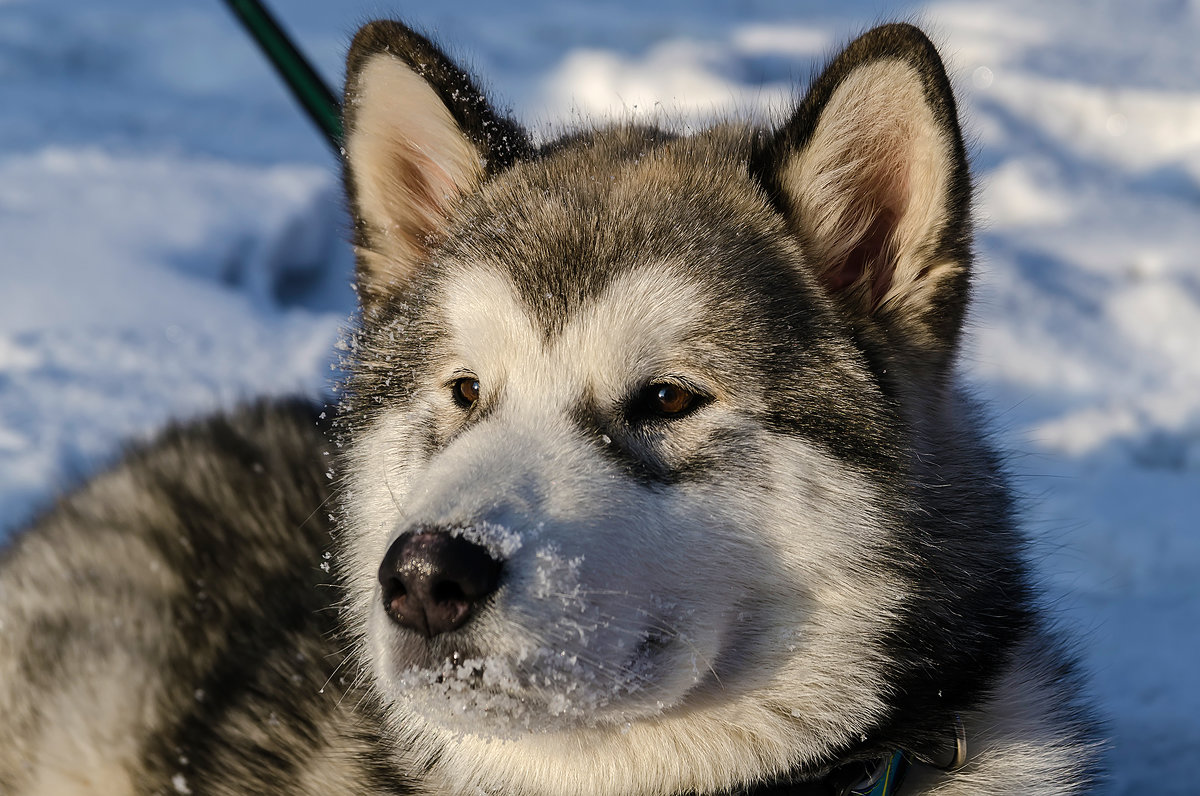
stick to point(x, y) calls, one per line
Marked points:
point(882, 776)
point(887, 780)
point(887, 777)
point(884, 780)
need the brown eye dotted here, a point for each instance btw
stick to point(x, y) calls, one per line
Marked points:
point(466, 391)
point(665, 400)
point(671, 399)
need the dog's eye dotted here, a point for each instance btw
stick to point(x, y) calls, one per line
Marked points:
point(667, 400)
point(466, 391)
point(671, 399)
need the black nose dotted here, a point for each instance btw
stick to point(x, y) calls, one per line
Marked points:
point(433, 581)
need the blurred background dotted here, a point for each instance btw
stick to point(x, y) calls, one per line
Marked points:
point(172, 240)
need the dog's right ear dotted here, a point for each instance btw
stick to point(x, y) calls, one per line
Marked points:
point(419, 137)
point(871, 174)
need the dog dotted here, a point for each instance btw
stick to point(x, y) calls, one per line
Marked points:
point(652, 477)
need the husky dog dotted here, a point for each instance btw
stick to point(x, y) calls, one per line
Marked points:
point(653, 480)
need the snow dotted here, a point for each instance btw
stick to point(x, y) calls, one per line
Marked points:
point(172, 243)
point(500, 541)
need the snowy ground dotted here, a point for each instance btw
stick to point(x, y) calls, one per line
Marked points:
point(172, 242)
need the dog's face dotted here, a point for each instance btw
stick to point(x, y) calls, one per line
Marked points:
point(626, 482)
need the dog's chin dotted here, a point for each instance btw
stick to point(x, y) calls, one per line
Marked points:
point(536, 689)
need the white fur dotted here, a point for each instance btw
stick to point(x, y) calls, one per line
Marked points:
point(768, 590)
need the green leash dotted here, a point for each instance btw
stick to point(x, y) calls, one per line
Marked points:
point(313, 94)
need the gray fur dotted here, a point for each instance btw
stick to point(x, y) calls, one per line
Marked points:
point(814, 564)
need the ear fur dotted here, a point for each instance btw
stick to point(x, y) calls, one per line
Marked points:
point(872, 176)
point(419, 136)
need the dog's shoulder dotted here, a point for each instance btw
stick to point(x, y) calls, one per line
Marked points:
point(170, 622)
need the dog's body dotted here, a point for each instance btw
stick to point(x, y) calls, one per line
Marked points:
point(655, 481)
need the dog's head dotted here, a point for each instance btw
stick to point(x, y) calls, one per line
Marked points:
point(633, 420)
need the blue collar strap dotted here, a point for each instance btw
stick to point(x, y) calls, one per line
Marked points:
point(885, 780)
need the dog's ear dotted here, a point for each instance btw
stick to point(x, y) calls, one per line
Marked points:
point(872, 177)
point(419, 137)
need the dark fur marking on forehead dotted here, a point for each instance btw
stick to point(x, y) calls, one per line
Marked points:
point(595, 206)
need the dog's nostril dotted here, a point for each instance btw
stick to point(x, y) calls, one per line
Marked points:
point(433, 581)
point(447, 591)
point(393, 594)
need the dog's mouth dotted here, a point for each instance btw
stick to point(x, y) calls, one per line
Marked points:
point(472, 669)
point(540, 689)
point(546, 654)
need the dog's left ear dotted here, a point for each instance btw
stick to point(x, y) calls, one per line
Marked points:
point(420, 136)
point(872, 177)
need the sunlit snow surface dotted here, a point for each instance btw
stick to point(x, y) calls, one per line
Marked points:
point(170, 242)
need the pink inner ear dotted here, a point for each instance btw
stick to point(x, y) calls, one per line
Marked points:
point(424, 191)
point(871, 256)
point(871, 259)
